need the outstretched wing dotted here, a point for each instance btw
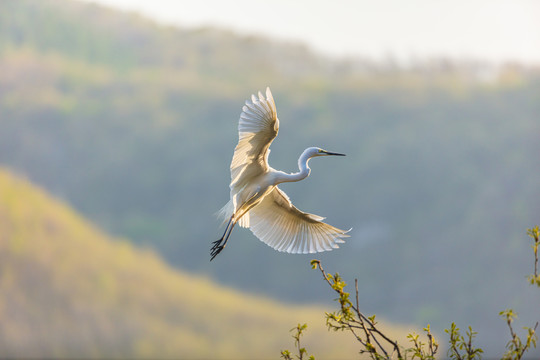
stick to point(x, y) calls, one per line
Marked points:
point(279, 224)
point(257, 128)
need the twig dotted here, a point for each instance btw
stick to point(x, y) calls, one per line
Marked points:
point(371, 329)
point(535, 234)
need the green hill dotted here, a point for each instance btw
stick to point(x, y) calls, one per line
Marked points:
point(134, 124)
point(67, 290)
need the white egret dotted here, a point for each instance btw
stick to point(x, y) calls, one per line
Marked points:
point(256, 201)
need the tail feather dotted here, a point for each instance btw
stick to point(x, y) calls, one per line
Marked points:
point(226, 212)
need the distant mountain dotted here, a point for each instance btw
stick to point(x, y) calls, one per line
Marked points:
point(134, 125)
point(68, 290)
point(125, 42)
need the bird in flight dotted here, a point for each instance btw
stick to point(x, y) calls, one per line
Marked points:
point(257, 202)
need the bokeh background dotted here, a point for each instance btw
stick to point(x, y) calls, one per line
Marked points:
point(117, 126)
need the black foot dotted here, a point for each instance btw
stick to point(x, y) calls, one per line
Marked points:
point(216, 249)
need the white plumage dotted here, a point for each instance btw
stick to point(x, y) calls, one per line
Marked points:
point(256, 201)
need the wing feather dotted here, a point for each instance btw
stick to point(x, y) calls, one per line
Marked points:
point(279, 224)
point(257, 128)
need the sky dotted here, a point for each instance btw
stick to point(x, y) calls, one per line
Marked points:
point(492, 30)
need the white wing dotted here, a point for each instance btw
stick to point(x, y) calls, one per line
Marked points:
point(279, 224)
point(257, 128)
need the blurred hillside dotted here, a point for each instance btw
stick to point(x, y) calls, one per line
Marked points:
point(69, 291)
point(134, 125)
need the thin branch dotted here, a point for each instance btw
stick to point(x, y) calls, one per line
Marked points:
point(366, 332)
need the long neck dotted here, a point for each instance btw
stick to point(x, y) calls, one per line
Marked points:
point(301, 175)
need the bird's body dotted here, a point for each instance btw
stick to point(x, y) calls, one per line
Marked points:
point(257, 203)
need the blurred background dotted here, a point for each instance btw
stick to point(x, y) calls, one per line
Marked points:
point(118, 120)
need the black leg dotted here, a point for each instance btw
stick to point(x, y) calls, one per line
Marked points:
point(220, 244)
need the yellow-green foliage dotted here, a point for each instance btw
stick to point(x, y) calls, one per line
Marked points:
point(68, 290)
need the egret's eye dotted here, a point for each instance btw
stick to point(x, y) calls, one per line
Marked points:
point(321, 150)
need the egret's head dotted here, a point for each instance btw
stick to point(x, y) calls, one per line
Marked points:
point(315, 151)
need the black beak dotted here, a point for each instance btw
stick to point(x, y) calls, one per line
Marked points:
point(332, 153)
